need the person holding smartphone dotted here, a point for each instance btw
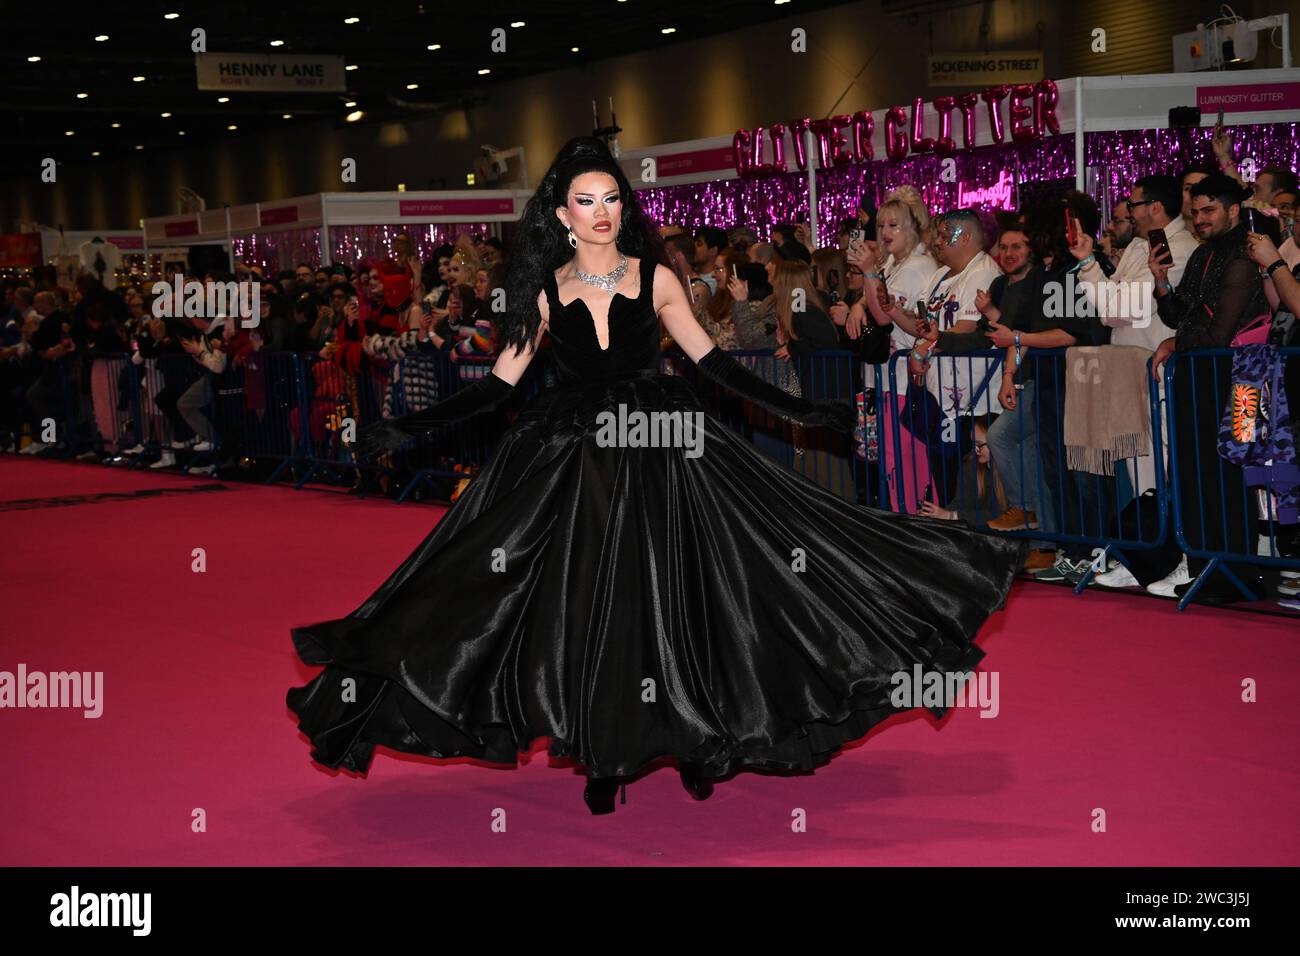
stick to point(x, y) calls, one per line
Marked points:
point(1125, 301)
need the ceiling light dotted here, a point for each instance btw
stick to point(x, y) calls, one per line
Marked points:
point(351, 20)
point(102, 38)
point(412, 86)
point(517, 24)
point(484, 71)
point(33, 59)
point(137, 79)
point(232, 126)
point(223, 99)
point(69, 132)
point(355, 115)
point(165, 115)
point(82, 96)
point(573, 49)
point(180, 132)
point(170, 16)
point(350, 66)
point(668, 30)
point(350, 103)
point(435, 46)
point(287, 116)
point(115, 125)
point(139, 146)
point(277, 43)
point(95, 153)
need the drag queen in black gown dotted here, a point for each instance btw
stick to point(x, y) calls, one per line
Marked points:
point(633, 603)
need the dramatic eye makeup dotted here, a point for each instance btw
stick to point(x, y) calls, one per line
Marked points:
point(585, 199)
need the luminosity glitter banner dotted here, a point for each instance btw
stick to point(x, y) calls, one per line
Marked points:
point(1123, 157)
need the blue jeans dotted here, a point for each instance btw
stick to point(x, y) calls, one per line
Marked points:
point(1013, 444)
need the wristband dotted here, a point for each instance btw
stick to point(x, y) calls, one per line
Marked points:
point(1017, 340)
point(874, 275)
point(1279, 264)
point(1084, 263)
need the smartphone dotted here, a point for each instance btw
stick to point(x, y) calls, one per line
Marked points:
point(1071, 227)
point(733, 271)
point(833, 296)
point(1156, 237)
point(922, 318)
point(856, 235)
point(1219, 121)
point(1269, 226)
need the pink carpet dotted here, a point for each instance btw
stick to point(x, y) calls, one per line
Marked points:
point(1107, 701)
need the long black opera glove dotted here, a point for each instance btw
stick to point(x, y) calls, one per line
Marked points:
point(389, 434)
point(725, 370)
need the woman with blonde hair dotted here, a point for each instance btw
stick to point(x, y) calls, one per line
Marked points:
point(464, 265)
point(902, 225)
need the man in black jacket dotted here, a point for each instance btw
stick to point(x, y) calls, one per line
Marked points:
point(1220, 292)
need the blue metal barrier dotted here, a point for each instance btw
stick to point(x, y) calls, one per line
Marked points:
point(818, 454)
point(1224, 513)
point(944, 420)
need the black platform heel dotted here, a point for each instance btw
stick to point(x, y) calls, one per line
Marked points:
point(599, 794)
point(697, 785)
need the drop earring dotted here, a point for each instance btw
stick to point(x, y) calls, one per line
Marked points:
point(573, 240)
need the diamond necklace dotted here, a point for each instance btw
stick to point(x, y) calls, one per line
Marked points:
point(607, 281)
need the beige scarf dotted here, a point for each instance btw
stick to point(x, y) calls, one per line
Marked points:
point(1107, 407)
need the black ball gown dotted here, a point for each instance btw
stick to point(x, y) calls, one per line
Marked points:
point(649, 604)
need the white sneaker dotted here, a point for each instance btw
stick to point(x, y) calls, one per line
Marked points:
point(137, 450)
point(203, 446)
point(34, 448)
point(168, 460)
point(182, 445)
point(205, 470)
point(1165, 586)
point(1289, 587)
point(1117, 577)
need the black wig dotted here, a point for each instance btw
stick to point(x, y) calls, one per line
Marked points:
point(541, 244)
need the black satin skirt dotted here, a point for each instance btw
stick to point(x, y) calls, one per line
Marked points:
point(634, 603)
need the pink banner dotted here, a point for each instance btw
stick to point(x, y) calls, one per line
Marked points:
point(1255, 98)
point(173, 230)
point(699, 161)
point(278, 216)
point(126, 242)
point(455, 207)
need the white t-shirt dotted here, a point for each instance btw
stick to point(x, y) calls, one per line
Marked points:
point(906, 282)
point(951, 299)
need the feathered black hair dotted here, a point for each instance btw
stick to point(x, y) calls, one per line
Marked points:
point(541, 245)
